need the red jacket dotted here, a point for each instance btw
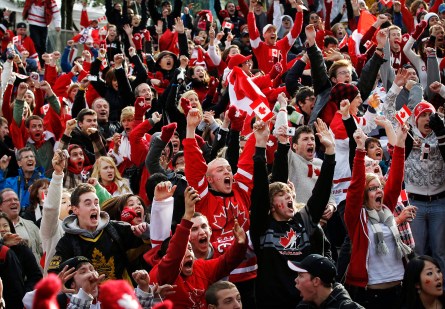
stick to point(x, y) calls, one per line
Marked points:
point(355, 215)
point(190, 290)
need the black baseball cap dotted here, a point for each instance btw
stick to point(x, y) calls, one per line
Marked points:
point(316, 265)
point(21, 25)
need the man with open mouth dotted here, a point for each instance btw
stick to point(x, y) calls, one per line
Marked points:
point(279, 232)
point(90, 233)
point(190, 275)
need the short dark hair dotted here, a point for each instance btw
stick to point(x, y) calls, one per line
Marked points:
point(370, 140)
point(176, 156)
point(5, 216)
point(80, 189)
point(32, 117)
point(3, 191)
point(299, 131)
point(302, 93)
point(330, 40)
point(84, 112)
point(326, 285)
point(211, 292)
point(22, 150)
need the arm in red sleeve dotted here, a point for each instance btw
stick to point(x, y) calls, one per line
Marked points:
point(407, 17)
point(82, 74)
point(369, 34)
point(228, 261)
point(327, 18)
point(50, 74)
point(319, 39)
point(196, 169)
point(395, 178)
point(298, 25)
point(251, 25)
point(40, 100)
point(243, 7)
point(169, 268)
point(244, 173)
point(354, 197)
point(435, 7)
point(6, 105)
point(62, 84)
point(138, 149)
point(87, 67)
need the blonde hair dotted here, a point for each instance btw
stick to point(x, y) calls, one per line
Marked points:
point(127, 112)
point(117, 175)
point(186, 95)
point(370, 177)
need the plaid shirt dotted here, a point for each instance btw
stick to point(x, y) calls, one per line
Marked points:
point(404, 228)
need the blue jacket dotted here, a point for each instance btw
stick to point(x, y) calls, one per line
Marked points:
point(19, 185)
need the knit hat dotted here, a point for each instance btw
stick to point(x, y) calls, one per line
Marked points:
point(441, 8)
point(422, 107)
point(117, 294)
point(46, 292)
point(237, 59)
point(20, 25)
point(316, 265)
point(342, 91)
point(429, 15)
point(165, 53)
point(266, 27)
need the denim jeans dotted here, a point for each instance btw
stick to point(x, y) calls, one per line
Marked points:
point(429, 229)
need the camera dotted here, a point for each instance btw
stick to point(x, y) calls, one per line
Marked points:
point(290, 131)
point(92, 78)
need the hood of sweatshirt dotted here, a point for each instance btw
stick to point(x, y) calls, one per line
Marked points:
point(71, 225)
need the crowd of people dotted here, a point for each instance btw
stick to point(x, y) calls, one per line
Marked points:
point(279, 154)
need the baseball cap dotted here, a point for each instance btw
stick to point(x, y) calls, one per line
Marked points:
point(441, 8)
point(316, 265)
point(266, 27)
point(237, 59)
point(21, 25)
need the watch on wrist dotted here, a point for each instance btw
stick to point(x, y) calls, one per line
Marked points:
point(379, 49)
point(2, 303)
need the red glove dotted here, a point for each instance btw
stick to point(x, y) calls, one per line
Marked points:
point(237, 118)
point(186, 107)
point(168, 131)
point(213, 84)
point(147, 35)
point(419, 30)
point(140, 107)
point(199, 140)
point(137, 40)
point(224, 14)
point(276, 70)
point(128, 214)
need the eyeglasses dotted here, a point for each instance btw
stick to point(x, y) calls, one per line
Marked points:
point(311, 99)
point(375, 188)
point(344, 73)
point(10, 200)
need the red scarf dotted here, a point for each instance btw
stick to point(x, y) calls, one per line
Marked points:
point(111, 188)
point(39, 144)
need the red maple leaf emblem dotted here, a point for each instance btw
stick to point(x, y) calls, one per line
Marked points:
point(262, 110)
point(402, 114)
point(221, 221)
point(289, 240)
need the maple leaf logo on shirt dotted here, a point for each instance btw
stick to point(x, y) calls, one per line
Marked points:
point(289, 241)
point(221, 221)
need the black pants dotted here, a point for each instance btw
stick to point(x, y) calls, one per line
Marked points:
point(345, 251)
point(376, 299)
point(39, 36)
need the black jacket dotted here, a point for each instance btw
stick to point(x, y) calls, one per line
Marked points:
point(338, 299)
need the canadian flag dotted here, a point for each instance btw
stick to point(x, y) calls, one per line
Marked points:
point(403, 114)
point(387, 3)
point(368, 44)
point(227, 25)
point(16, 39)
point(247, 96)
point(274, 53)
point(403, 195)
point(344, 41)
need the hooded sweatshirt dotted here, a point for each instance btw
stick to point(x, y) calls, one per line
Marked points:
point(106, 247)
point(338, 299)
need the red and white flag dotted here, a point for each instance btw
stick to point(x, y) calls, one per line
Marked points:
point(344, 41)
point(16, 39)
point(228, 25)
point(368, 44)
point(274, 53)
point(247, 96)
point(403, 114)
point(403, 195)
point(387, 3)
